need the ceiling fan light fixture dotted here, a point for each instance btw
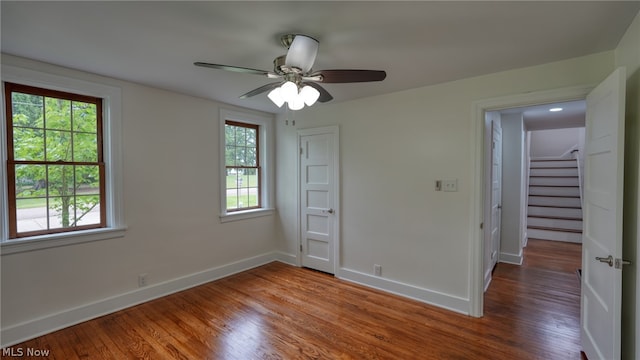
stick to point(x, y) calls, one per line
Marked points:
point(309, 94)
point(289, 91)
point(275, 95)
point(297, 103)
point(302, 53)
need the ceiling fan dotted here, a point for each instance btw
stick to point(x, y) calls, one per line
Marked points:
point(298, 84)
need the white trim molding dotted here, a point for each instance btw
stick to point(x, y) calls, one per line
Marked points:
point(267, 161)
point(446, 301)
point(18, 333)
point(477, 152)
point(112, 140)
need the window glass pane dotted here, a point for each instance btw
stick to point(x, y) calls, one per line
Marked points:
point(88, 180)
point(87, 210)
point(251, 137)
point(58, 145)
point(251, 158)
point(84, 117)
point(60, 180)
point(240, 136)
point(31, 216)
point(61, 212)
point(85, 147)
point(57, 114)
point(252, 178)
point(230, 155)
point(30, 181)
point(28, 144)
point(240, 156)
point(27, 110)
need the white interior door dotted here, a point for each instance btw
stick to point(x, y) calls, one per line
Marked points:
point(496, 189)
point(602, 228)
point(319, 198)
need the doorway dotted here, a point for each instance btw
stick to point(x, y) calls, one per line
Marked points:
point(319, 198)
point(480, 109)
point(539, 190)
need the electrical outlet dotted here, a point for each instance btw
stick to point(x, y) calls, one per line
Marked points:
point(450, 185)
point(142, 280)
point(377, 270)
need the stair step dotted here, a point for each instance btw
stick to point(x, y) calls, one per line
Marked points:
point(546, 234)
point(554, 171)
point(557, 224)
point(557, 201)
point(553, 181)
point(554, 211)
point(560, 217)
point(550, 228)
point(552, 163)
point(554, 190)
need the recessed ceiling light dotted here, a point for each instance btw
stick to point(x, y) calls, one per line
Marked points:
point(555, 109)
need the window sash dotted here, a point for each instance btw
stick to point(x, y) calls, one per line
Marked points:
point(11, 88)
point(256, 167)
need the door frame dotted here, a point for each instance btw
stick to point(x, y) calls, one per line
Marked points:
point(478, 171)
point(335, 131)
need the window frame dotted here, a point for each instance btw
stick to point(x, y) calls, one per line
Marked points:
point(265, 154)
point(257, 168)
point(112, 157)
point(11, 88)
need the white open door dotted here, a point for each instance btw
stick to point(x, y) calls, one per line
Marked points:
point(319, 198)
point(496, 190)
point(602, 228)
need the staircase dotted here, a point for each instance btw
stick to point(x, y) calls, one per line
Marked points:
point(554, 210)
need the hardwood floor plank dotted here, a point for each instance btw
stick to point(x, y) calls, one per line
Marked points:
point(278, 311)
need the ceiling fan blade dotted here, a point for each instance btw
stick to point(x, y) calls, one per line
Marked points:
point(260, 90)
point(233, 68)
point(302, 53)
point(350, 76)
point(324, 94)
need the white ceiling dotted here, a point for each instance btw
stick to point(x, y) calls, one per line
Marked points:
point(539, 117)
point(418, 43)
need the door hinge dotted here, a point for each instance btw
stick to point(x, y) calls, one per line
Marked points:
point(301, 151)
point(481, 226)
point(300, 247)
point(620, 262)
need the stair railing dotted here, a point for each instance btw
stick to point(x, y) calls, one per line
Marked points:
point(576, 156)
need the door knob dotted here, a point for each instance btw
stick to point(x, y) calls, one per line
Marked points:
point(330, 211)
point(607, 260)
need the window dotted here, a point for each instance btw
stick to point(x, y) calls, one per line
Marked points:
point(61, 149)
point(242, 162)
point(55, 168)
point(245, 146)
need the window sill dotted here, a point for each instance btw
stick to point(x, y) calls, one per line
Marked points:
point(248, 214)
point(15, 246)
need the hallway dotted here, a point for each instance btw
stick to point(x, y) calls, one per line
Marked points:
point(539, 301)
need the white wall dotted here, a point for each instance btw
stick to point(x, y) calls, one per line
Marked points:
point(171, 192)
point(555, 142)
point(393, 148)
point(512, 184)
point(628, 54)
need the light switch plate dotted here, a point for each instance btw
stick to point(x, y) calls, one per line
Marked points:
point(450, 185)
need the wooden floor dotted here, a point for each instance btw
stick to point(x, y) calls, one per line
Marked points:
point(282, 312)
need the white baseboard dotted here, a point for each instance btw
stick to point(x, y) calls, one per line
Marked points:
point(450, 302)
point(16, 334)
point(515, 259)
point(286, 258)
